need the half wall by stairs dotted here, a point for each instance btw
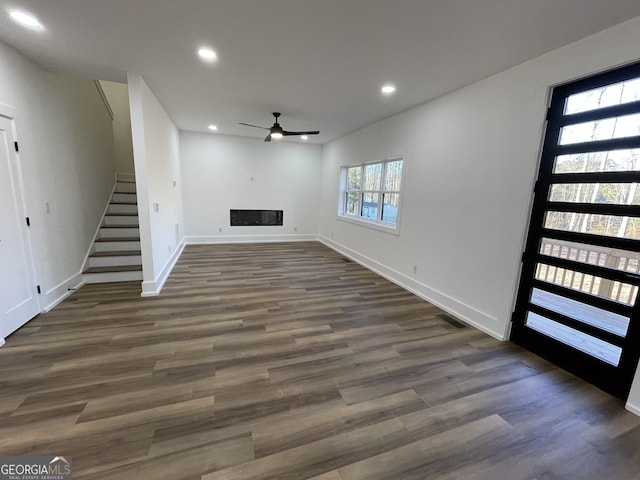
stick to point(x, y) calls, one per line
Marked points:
point(115, 255)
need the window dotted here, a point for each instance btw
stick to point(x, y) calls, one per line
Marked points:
point(371, 192)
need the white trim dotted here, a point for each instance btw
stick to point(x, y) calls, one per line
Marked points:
point(152, 289)
point(2, 342)
point(104, 98)
point(632, 408)
point(461, 310)
point(57, 294)
point(382, 227)
point(213, 239)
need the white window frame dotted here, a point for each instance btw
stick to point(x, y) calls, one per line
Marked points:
point(378, 223)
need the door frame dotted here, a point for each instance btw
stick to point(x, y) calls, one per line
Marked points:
point(9, 113)
point(556, 351)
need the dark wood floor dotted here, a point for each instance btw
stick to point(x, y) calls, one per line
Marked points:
point(286, 361)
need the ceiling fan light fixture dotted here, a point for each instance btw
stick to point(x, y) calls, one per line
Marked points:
point(276, 135)
point(304, 137)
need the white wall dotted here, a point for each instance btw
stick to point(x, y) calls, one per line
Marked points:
point(67, 157)
point(158, 182)
point(223, 172)
point(471, 160)
point(118, 96)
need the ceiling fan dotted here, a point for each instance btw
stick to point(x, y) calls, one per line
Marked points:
point(276, 130)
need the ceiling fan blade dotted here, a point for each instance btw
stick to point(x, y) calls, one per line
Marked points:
point(267, 138)
point(288, 134)
point(255, 126)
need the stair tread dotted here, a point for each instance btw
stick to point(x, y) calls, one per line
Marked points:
point(118, 268)
point(124, 203)
point(119, 226)
point(117, 253)
point(118, 239)
point(123, 214)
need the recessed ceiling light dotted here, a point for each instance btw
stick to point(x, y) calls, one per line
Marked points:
point(388, 89)
point(25, 19)
point(207, 54)
point(213, 128)
point(304, 137)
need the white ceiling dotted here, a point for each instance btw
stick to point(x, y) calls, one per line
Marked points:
point(319, 62)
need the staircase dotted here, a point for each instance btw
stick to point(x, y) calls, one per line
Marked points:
point(115, 255)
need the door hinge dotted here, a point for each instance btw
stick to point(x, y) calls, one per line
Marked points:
point(28, 222)
point(15, 145)
point(38, 289)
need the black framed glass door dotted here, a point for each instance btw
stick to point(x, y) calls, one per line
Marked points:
point(577, 302)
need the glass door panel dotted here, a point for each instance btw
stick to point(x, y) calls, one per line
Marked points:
point(577, 302)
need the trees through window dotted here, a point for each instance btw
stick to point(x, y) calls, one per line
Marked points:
point(371, 192)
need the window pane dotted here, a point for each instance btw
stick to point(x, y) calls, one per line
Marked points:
point(607, 225)
point(605, 129)
point(610, 193)
point(622, 260)
point(393, 176)
point(351, 204)
point(372, 174)
point(390, 202)
point(600, 287)
point(354, 177)
point(607, 96)
point(612, 161)
point(603, 319)
point(581, 341)
point(370, 206)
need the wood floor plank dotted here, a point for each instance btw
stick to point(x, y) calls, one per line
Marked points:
point(288, 361)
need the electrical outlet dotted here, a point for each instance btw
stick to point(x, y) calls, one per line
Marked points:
point(220, 229)
point(415, 269)
point(295, 229)
point(47, 207)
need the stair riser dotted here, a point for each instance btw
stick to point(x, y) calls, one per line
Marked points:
point(124, 198)
point(125, 187)
point(115, 261)
point(118, 232)
point(120, 220)
point(116, 246)
point(112, 277)
point(116, 208)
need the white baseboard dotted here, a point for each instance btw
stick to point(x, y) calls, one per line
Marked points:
point(1, 342)
point(126, 177)
point(153, 288)
point(464, 312)
point(215, 239)
point(57, 294)
point(632, 408)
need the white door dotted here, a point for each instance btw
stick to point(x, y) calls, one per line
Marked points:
point(18, 296)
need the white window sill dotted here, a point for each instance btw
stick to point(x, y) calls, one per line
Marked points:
point(382, 227)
